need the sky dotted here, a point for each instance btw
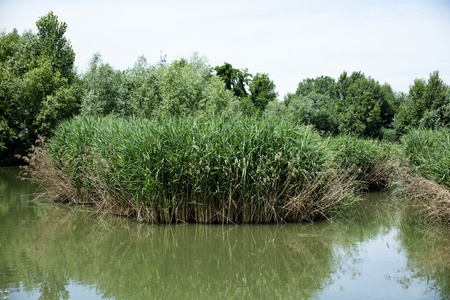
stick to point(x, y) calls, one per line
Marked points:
point(392, 41)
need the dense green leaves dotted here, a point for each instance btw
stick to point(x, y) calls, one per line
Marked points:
point(363, 107)
point(321, 85)
point(235, 80)
point(37, 85)
point(427, 105)
point(53, 44)
point(353, 104)
point(183, 87)
point(262, 91)
point(105, 90)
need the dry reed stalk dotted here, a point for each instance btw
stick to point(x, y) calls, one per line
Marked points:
point(326, 192)
point(432, 198)
point(378, 177)
point(53, 183)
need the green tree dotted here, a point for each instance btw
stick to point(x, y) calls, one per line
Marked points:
point(404, 117)
point(416, 92)
point(144, 87)
point(53, 44)
point(105, 90)
point(427, 104)
point(235, 80)
point(183, 86)
point(217, 98)
point(435, 92)
point(34, 95)
point(323, 85)
point(313, 109)
point(437, 101)
point(364, 106)
point(262, 91)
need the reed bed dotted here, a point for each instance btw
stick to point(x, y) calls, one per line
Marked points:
point(431, 201)
point(192, 169)
point(369, 162)
point(429, 152)
point(425, 177)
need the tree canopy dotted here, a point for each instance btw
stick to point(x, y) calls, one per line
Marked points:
point(235, 80)
point(38, 86)
point(426, 105)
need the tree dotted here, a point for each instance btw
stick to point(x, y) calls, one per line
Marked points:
point(416, 92)
point(53, 44)
point(183, 86)
point(434, 94)
point(235, 80)
point(427, 105)
point(363, 106)
point(323, 85)
point(262, 91)
point(144, 88)
point(436, 97)
point(218, 98)
point(35, 93)
point(105, 90)
point(313, 109)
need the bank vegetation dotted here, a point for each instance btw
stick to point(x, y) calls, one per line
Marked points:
point(219, 170)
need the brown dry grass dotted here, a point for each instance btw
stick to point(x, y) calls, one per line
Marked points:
point(58, 185)
point(432, 199)
point(41, 169)
point(378, 177)
point(321, 195)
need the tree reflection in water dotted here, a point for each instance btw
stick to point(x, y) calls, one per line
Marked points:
point(47, 248)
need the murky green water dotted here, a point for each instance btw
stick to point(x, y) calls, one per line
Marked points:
point(50, 251)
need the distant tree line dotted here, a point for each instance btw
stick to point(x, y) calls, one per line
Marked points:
point(39, 87)
point(361, 106)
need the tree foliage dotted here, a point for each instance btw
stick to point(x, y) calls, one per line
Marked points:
point(262, 91)
point(427, 105)
point(235, 80)
point(53, 44)
point(253, 92)
point(353, 104)
point(105, 90)
point(183, 87)
point(363, 107)
point(38, 86)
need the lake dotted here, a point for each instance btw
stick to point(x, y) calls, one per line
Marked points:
point(376, 250)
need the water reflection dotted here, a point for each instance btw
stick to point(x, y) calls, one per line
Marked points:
point(427, 248)
point(49, 249)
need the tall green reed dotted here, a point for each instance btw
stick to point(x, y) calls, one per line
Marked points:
point(429, 152)
point(370, 161)
point(215, 170)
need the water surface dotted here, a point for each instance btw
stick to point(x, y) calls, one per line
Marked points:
point(51, 251)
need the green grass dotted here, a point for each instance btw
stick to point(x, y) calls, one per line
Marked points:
point(192, 169)
point(429, 152)
point(371, 161)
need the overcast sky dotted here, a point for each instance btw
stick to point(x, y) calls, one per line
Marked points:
point(392, 41)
